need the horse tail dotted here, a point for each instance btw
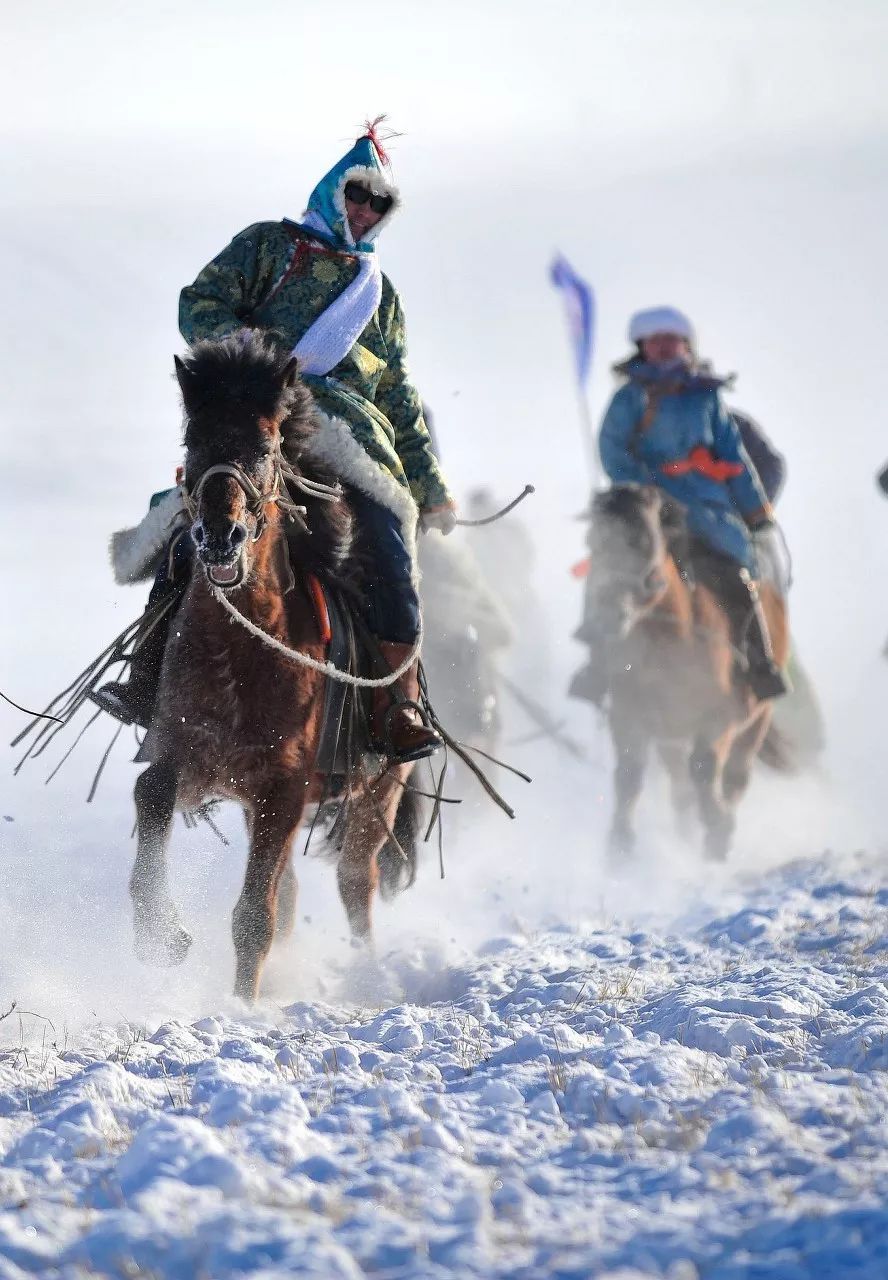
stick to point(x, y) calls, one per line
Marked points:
point(396, 874)
point(778, 752)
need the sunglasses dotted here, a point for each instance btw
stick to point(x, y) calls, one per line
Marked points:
point(360, 195)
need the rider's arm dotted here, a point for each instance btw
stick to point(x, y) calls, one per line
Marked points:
point(616, 440)
point(768, 461)
point(399, 400)
point(746, 488)
point(221, 299)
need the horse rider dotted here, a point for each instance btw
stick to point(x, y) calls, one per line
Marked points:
point(667, 426)
point(316, 288)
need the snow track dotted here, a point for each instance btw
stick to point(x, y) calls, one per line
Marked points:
point(705, 1099)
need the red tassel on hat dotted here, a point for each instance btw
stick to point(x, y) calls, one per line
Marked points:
point(371, 131)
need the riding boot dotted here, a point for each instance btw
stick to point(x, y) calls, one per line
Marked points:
point(396, 726)
point(590, 682)
point(763, 676)
point(132, 700)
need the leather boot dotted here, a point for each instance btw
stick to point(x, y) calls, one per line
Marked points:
point(764, 677)
point(132, 700)
point(397, 729)
point(590, 683)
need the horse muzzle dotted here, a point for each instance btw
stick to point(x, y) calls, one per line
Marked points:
point(222, 552)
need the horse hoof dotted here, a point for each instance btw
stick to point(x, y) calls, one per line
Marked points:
point(163, 950)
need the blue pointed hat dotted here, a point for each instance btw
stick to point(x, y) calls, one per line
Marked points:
point(367, 164)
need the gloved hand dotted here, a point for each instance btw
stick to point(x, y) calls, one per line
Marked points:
point(761, 519)
point(442, 517)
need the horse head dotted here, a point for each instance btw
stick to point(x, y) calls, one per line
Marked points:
point(629, 542)
point(237, 393)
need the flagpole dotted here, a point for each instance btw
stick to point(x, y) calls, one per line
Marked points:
point(590, 442)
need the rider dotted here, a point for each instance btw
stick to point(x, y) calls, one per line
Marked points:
point(316, 288)
point(667, 426)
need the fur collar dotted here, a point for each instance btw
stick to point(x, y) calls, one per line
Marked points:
point(698, 377)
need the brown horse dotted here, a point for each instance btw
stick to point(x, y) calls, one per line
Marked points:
point(672, 655)
point(234, 718)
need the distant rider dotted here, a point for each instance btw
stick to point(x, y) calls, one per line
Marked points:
point(667, 426)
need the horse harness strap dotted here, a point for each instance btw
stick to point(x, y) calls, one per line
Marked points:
point(339, 638)
point(257, 501)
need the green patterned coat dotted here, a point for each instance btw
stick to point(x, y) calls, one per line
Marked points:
point(278, 277)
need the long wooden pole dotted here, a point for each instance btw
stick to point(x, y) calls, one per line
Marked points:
point(590, 442)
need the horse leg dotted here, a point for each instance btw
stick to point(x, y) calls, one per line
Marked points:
point(159, 936)
point(675, 762)
point(707, 763)
point(744, 750)
point(288, 893)
point(631, 755)
point(275, 821)
point(357, 874)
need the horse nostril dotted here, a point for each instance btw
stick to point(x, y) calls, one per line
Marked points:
point(238, 535)
point(198, 532)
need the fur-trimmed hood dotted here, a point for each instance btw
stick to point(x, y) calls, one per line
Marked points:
point(696, 377)
point(363, 164)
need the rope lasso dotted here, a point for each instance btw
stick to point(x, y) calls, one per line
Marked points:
point(301, 659)
point(330, 669)
point(329, 493)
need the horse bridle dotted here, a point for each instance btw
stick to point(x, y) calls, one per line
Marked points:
point(257, 500)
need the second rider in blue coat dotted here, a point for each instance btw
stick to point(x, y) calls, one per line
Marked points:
point(667, 426)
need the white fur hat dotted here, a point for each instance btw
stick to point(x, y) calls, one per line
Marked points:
point(644, 324)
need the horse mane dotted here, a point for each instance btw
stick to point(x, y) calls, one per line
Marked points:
point(244, 373)
point(621, 502)
point(227, 386)
point(629, 502)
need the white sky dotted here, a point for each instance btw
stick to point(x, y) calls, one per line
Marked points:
point(612, 70)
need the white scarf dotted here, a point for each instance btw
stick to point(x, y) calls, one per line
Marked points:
point(337, 329)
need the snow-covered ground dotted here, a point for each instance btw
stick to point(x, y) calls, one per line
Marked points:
point(701, 1096)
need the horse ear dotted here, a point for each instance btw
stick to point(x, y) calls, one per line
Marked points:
point(290, 376)
point(183, 374)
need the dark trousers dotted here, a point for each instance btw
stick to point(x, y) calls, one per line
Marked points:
point(392, 602)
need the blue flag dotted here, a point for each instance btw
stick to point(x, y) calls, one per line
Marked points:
point(580, 302)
